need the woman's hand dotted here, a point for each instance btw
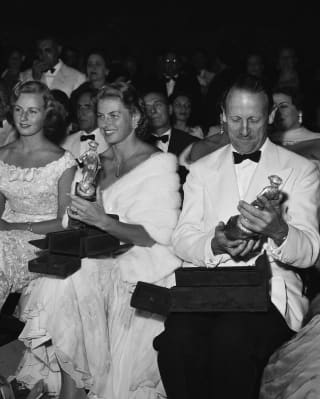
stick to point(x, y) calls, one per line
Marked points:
point(88, 212)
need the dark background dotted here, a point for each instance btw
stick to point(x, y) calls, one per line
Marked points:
point(145, 27)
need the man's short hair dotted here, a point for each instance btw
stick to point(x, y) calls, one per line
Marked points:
point(160, 93)
point(251, 84)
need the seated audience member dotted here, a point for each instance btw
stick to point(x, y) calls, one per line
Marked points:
point(287, 68)
point(51, 70)
point(289, 130)
point(78, 143)
point(163, 134)
point(35, 183)
point(222, 354)
point(83, 327)
point(62, 104)
point(97, 72)
point(173, 77)
point(254, 65)
point(7, 130)
point(181, 112)
point(72, 57)
point(12, 74)
point(201, 63)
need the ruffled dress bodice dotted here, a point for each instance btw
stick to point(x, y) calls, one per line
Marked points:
point(32, 193)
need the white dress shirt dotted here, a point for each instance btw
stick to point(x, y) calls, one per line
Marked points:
point(244, 172)
point(49, 76)
point(77, 147)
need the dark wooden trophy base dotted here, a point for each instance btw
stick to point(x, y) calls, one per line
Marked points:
point(62, 251)
point(200, 289)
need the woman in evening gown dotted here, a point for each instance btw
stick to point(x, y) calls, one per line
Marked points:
point(81, 333)
point(35, 180)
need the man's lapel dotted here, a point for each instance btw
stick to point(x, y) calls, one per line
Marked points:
point(222, 187)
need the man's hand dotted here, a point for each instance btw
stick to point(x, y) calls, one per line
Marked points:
point(267, 221)
point(235, 248)
point(38, 67)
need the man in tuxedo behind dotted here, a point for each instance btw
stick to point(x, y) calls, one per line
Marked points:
point(222, 354)
point(51, 70)
point(173, 77)
point(78, 143)
point(165, 137)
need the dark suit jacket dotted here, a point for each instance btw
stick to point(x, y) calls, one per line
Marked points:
point(179, 140)
point(185, 83)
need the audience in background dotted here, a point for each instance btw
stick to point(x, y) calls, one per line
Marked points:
point(78, 143)
point(172, 77)
point(14, 64)
point(51, 70)
point(163, 134)
point(8, 132)
point(287, 68)
point(288, 124)
point(181, 104)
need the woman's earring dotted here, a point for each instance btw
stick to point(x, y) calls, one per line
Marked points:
point(300, 118)
point(221, 124)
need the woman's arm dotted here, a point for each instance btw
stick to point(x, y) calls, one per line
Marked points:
point(94, 215)
point(47, 226)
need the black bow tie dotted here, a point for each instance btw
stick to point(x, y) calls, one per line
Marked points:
point(163, 138)
point(254, 156)
point(168, 78)
point(85, 137)
point(51, 70)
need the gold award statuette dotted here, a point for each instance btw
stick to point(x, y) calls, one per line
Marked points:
point(86, 187)
point(234, 228)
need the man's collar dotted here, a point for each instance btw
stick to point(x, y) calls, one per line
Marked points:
point(262, 148)
point(56, 69)
point(168, 132)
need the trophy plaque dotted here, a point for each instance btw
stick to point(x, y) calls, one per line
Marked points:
point(234, 228)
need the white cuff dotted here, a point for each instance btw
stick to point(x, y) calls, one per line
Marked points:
point(210, 259)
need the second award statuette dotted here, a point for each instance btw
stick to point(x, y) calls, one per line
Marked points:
point(234, 228)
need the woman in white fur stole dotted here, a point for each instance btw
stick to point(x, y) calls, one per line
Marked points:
point(82, 328)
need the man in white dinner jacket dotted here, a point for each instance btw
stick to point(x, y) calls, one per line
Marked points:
point(222, 354)
point(51, 70)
